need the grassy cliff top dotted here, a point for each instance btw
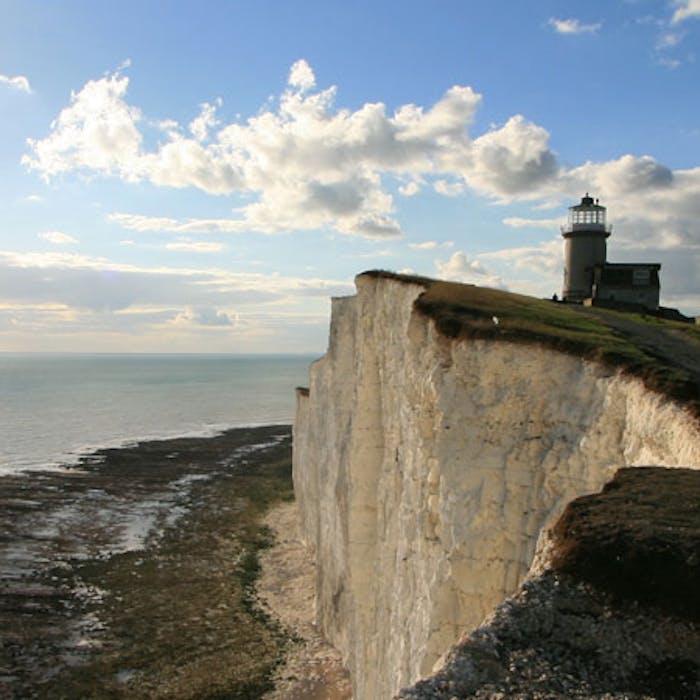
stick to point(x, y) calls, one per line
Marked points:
point(664, 354)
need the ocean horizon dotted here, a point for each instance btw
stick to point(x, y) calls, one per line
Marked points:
point(58, 407)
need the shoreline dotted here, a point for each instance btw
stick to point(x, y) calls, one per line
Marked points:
point(71, 460)
point(132, 574)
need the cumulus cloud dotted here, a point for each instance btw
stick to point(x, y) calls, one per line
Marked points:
point(431, 245)
point(410, 189)
point(308, 164)
point(302, 163)
point(302, 76)
point(522, 222)
point(647, 202)
point(57, 237)
point(511, 161)
point(185, 245)
point(685, 9)
point(459, 268)
point(449, 189)
point(203, 316)
point(18, 82)
point(97, 132)
point(545, 258)
point(206, 121)
point(573, 26)
point(627, 175)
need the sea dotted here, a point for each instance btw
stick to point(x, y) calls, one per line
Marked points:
point(56, 408)
point(80, 525)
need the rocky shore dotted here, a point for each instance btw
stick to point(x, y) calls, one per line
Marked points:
point(132, 575)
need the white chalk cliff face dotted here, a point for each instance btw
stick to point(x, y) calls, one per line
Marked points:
point(426, 468)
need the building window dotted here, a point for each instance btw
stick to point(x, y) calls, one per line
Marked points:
point(640, 278)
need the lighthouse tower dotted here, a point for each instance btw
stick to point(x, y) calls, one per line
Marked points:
point(585, 248)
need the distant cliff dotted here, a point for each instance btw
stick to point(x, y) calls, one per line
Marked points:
point(439, 436)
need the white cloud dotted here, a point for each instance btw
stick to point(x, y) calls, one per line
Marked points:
point(386, 253)
point(544, 259)
point(204, 316)
point(573, 26)
point(139, 222)
point(188, 246)
point(668, 40)
point(308, 164)
point(302, 76)
point(668, 62)
point(202, 125)
point(425, 245)
point(57, 237)
point(89, 282)
point(686, 9)
point(18, 82)
point(409, 189)
point(304, 164)
point(98, 132)
point(520, 222)
point(73, 301)
point(534, 270)
point(511, 161)
point(449, 189)
point(142, 223)
point(648, 203)
point(459, 268)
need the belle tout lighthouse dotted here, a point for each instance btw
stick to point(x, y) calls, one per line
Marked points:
point(589, 278)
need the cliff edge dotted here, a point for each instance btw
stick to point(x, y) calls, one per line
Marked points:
point(446, 429)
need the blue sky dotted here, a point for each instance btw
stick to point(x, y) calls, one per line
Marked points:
point(202, 177)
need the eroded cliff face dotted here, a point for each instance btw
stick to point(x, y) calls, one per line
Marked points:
point(426, 468)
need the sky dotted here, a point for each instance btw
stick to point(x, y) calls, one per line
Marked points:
point(205, 176)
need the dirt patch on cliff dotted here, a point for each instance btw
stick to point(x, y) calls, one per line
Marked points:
point(638, 539)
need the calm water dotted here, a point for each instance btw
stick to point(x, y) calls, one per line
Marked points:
point(54, 408)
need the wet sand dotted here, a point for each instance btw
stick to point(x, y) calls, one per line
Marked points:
point(132, 575)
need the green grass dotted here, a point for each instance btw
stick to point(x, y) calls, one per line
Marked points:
point(462, 311)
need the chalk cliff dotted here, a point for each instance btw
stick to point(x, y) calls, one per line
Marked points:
point(426, 467)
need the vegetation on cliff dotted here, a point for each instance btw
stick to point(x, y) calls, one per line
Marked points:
point(664, 354)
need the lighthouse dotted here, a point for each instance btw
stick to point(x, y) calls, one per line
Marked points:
point(585, 248)
point(590, 279)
